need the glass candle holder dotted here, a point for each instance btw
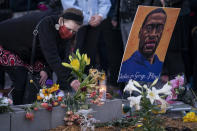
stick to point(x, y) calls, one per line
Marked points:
point(102, 91)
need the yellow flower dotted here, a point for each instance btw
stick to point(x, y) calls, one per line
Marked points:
point(45, 91)
point(139, 125)
point(66, 65)
point(86, 59)
point(31, 81)
point(75, 64)
point(39, 97)
point(78, 54)
point(190, 117)
point(54, 88)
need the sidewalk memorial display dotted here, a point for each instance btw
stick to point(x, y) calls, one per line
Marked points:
point(148, 107)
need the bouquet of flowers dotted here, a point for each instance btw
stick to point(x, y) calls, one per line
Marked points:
point(4, 104)
point(52, 96)
point(177, 88)
point(151, 93)
point(77, 64)
point(89, 83)
point(48, 97)
point(148, 103)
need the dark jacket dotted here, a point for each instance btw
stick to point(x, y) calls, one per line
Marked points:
point(183, 4)
point(128, 8)
point(16, 36)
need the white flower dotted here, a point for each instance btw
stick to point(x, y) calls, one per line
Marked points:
point(163, 104)
point(61, 94)
point(145, 86)
point(152, 95)
point(46, 97)
point(42, 95)
point(137, 84)
point(5, 101)
point(131, 87)
point(44, 100)
point(165, 90)
point(50, 96)
point(135, 101)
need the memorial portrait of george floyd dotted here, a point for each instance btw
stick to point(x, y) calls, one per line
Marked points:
point(147, 43)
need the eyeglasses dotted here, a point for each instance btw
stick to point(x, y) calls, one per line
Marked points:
point(74, 32)
point(71, 30)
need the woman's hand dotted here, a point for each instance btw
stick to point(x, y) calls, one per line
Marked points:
point(43, 77)
point(75, 84)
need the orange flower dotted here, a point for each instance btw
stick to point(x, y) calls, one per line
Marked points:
point(39, 98)
point(55, 103)
point(59, 98)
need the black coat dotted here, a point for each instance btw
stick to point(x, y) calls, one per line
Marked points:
point(183, 4)
point(126, 9)
point(16, 35)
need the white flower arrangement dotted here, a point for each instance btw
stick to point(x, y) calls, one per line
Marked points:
point(153, 94)
point(4, 101)
point(5, 104)
point(48, 94)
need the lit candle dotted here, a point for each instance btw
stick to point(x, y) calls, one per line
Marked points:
point(103, 90)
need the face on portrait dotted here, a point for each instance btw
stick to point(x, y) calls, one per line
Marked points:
point(150, 33)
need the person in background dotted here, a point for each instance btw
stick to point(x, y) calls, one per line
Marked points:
point(53, 45)
point(193, 16)
point(194, 41)
point(127, 11)
point(5, 13)
point(180, 43)
point(111, 50)
point(94, 11)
